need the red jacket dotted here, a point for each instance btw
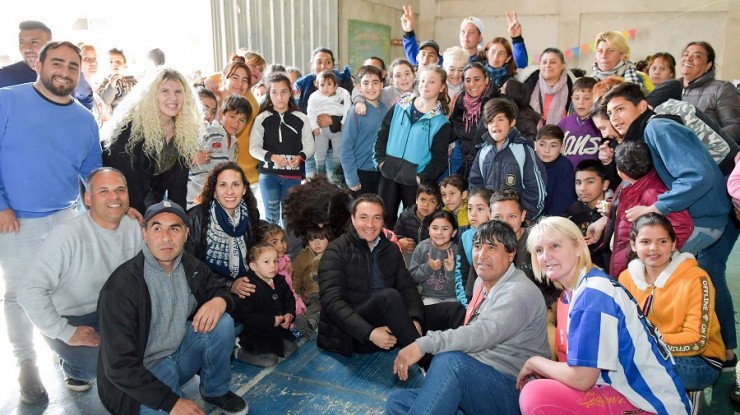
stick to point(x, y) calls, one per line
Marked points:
point(645, 192)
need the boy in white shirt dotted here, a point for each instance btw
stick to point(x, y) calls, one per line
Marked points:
point(218, 143)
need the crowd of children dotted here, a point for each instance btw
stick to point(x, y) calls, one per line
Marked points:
point(445, 148)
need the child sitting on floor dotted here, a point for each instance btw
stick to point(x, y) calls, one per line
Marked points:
point(267, 313)
point(306, 279)
point(274, 235)
point(434, 261)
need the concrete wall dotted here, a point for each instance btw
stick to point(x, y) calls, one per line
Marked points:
point(660, 26)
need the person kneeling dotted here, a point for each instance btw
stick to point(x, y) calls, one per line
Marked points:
point(162, 320)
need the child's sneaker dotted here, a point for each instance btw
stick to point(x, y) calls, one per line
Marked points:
point(305, 327)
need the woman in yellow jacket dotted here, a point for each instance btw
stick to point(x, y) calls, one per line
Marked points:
point(678, 298)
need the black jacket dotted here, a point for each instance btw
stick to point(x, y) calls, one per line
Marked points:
point(258, 312)
point(470, 141)
point(196, 243)
point(125, 312)
point(145, 186)
point(345, 278)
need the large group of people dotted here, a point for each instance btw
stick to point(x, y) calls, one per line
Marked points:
point(517, 232)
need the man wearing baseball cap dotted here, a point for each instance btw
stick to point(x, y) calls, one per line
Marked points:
point(471, 38)
point(428, 53)
point(162, 320)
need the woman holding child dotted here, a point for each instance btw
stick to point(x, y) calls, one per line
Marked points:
point(611, 347)
point(223, 224)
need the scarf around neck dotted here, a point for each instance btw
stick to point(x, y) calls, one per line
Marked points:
point(498, 75)
point(559, 91)
point(473, 106)
point(226, 250)
point(625, 69)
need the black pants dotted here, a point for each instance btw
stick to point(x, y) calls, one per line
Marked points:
point(386, 308)
point(393, 194)
point(369, 180)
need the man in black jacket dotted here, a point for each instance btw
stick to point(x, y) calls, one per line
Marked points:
point(368, 299)
point(162, 319)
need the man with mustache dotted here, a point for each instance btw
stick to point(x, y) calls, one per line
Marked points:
point(48, 142)
point(60, 294)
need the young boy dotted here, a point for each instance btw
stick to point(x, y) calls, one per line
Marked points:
point(117, 84)
point(218, 142)
point(454, 193)
point(560, 175)
point(358, 135)
point(640, 186)
point(335, 101)
point(306, 279)
point(506, 160)
point(267, 313)
point(582, 138)
point(410, 228)
point(591, 188)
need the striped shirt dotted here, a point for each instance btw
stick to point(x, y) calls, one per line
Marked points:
point(222, 147)
point(607, 330)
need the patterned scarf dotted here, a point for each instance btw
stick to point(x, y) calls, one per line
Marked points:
point(498, 74)
point(625, 69)
point(473, 108)
point(559, 91)
point(226, 250)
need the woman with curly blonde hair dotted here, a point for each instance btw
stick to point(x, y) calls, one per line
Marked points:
point(154, 138)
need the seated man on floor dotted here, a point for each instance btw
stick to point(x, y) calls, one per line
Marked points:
point(504, 326)
point(60, 293)
point(368, 299)
point(162, 320)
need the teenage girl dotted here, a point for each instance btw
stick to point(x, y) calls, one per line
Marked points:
point(402, 79)
point(281, 141)
point(412, 142)
point(678, 298)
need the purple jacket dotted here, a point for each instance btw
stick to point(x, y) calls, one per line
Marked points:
point(582, 139)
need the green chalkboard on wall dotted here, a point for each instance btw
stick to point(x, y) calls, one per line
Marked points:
point(368, 39)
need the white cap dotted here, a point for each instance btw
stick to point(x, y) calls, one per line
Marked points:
point(474, 20)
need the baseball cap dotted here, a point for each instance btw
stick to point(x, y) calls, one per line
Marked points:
point(163, 207)
point(431, 43)
point(474, 20)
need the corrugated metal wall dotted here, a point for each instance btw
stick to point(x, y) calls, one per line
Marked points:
point(282, 31)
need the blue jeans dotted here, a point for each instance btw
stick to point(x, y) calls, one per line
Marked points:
point(713, 260)
point(78, 362)
point(274, 189)
point(700, 239)
point(310, 164)
point(695, 373)
point(210, 353)
point(458, 383)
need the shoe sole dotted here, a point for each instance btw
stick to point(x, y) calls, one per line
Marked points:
point(79, 388)
point(37, 401)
